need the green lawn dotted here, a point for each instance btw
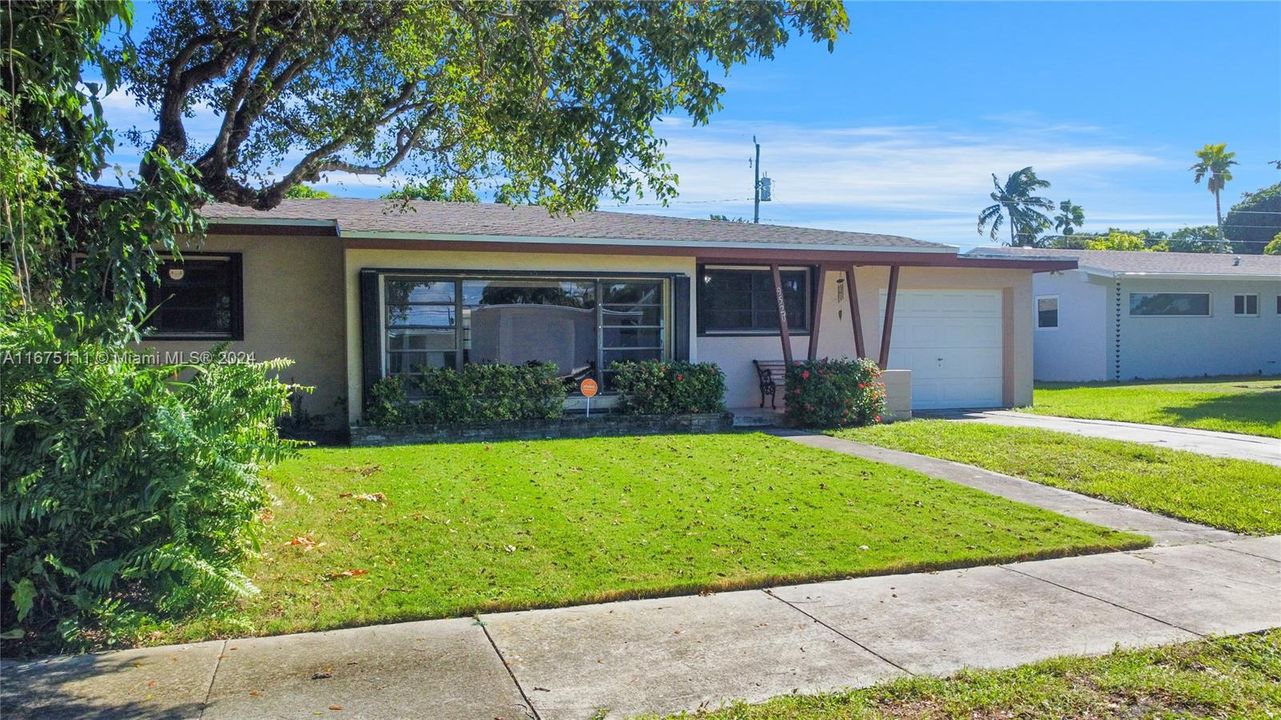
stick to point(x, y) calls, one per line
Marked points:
point(1250, 406)
point(1233, 677)
point(1230, 494)
point(449, 530)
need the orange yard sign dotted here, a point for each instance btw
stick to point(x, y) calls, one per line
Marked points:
point(588, 388)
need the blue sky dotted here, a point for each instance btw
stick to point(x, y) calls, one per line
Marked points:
point(900, 128)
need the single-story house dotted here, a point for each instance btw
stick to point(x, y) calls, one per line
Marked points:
point(1147, 315)
point(356, 290)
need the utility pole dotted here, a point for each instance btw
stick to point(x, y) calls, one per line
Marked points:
point(756, 186)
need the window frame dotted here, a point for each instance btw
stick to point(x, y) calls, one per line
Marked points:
point(1058, 307)
point(793, 329)
point(668, 327)
point(235, 266)
point(1245, 304)
point(1209, 304)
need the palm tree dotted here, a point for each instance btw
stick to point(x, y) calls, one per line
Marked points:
point(1215, 162)
point(1016, 204)
point(1070, 218)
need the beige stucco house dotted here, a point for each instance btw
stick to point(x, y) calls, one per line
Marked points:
point(355, 290)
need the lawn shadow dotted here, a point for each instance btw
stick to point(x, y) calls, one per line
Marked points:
point(1262, 407)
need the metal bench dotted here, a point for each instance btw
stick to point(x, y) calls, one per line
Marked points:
point(770, 373)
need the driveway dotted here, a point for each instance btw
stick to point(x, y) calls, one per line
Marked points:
point(1206, 442)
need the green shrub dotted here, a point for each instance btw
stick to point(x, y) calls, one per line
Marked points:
point(834, 393)
point(654, 387)
point(477, 393)
point(124, 492)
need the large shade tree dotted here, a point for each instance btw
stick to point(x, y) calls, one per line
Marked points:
point(1214, 165)
point(1252, 223)
point(1016, 204)
point(551, 101)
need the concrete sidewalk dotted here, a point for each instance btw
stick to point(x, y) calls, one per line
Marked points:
point(681, 653)
point(1205, 442)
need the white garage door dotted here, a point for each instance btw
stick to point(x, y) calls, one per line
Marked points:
point(951, 340)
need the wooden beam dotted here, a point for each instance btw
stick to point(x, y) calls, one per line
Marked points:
point(891, 296)
point(783, 332)
point(818, 313)
point(859, 350)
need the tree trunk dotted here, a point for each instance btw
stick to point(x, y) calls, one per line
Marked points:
point(1014, 238)
point(1218, 211)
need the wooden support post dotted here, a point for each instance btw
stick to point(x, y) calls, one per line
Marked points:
point(859, 350)
point(818, 313)
point(891, 296)
point(783, 332)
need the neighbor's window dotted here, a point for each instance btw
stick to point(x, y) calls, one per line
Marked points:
point(1047, 312)
point(736, 300)
point(1170, 304)
point(196, 298)
point(1245, 305)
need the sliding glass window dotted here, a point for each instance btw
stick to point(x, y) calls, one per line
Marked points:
point(581, 324)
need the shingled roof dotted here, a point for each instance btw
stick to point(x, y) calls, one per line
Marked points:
point(1118, 262)
point(355, 218)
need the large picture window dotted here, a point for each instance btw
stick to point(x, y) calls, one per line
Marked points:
point(1170, 304)
point(197, 297)
point(582, 325)
point(741, 300)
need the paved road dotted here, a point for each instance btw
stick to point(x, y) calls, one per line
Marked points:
point(1206, 442)
point(683, 653)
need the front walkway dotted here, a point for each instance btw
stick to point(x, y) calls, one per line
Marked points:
point(1205, 442)
point(682, 653)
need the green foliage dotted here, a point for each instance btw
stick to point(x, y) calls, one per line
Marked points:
point(657, 387)
point(124, 490)
point(1070, 218)
point(1118, 240)
point(85, 247)
point(435, 189)
point(553, 101)
point(306, 192)
point(834, 393)
point(1016, 204)
point(726, 218)
point(1273, 247)
point(1198, 239)
point(1254, 221)
point(477, 393)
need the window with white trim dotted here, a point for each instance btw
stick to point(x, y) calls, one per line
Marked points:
point(1047, 312)
point(1245, 305)
point(1170, 304)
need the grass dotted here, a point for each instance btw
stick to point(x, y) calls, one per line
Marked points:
point(450, 530)
point(1230, 494)
point(1249, 406)
point(1232, 677)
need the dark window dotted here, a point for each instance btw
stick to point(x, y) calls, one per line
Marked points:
point(742, 300)
point(1047, 311)
point(196, 298)
point(1193, 304)
point(1245, 305)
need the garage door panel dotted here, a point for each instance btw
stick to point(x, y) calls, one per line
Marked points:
point(952, 341)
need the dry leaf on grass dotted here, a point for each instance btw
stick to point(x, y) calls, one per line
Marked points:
point(367, 497)
point(303, 541)
point(354, 572)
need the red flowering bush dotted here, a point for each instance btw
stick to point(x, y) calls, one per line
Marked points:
point(834, 393)
point(654, 387)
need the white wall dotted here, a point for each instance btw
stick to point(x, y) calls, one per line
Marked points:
point(1075, 351)
point(1221, 344)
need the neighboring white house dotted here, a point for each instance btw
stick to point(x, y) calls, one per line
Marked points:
point(1140, 315)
